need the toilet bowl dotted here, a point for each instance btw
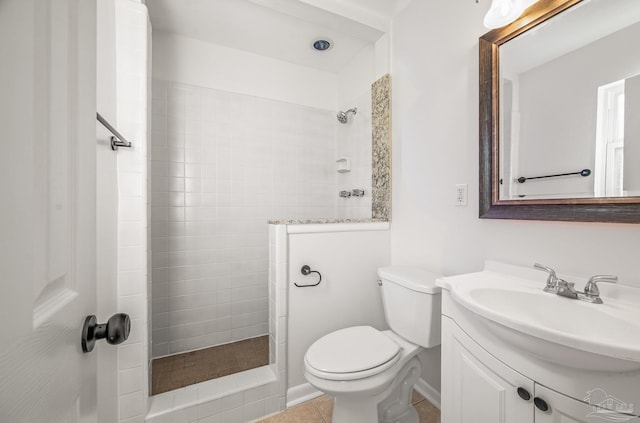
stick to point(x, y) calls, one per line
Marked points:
point(371, 373)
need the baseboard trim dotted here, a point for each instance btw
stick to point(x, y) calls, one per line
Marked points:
point(301, 393)
point(305, 392)
point(428, 391)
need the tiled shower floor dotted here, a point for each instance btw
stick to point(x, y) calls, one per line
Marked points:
point(180, 370)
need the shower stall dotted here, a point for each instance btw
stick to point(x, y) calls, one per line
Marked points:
point(238, 140)
point(223, 165)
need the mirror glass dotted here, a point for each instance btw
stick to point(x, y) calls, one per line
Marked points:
point(569, 101)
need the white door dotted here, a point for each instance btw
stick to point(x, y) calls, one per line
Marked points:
point(47, 209)
point(476, 387)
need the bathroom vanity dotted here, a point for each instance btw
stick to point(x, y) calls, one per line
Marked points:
point(514, 353)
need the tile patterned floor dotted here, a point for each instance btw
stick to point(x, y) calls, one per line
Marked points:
point(319, 410)
point(180, 370)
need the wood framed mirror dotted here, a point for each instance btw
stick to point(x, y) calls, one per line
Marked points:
point(543, 192)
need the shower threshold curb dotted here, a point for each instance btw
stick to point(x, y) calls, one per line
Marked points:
point(211, 390)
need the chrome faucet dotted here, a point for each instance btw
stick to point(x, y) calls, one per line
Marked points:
point(558, 286)
point(566, 289)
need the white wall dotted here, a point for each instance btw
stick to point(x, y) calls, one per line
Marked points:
point(347, 296)
point(435, 146)
point(356, 77)
point(195, 62)
point(382, 56)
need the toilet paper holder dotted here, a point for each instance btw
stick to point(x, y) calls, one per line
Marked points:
point(306, 270)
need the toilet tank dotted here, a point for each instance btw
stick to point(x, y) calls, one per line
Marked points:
point(411, 303)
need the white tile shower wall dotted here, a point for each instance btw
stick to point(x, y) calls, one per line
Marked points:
point(222, 165)
point(353, 140)
point(278, 307)
point(132, 58)
point(148, 227)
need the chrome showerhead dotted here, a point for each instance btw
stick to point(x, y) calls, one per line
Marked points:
point(343, 116)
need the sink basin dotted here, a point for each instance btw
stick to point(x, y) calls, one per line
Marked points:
point(560, 330)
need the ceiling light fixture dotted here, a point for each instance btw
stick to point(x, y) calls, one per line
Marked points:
point(322, 45)
point(503, 12)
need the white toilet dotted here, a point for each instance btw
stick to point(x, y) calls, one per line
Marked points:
point(371, 373)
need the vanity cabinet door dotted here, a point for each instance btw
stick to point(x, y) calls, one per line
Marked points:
point(563, 409)
point(476, 387)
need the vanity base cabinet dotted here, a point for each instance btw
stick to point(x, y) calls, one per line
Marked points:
point(563, 409)
point(479, 388)
point(476, 387)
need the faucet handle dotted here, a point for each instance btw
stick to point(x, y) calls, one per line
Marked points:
point(552, 279)
point(545, 269)
point(591, 289)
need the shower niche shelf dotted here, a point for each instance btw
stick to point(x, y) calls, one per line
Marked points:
point(343, 165)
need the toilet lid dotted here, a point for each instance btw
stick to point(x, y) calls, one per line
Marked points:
point(351, 350)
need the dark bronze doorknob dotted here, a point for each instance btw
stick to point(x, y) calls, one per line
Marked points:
point(115, 331)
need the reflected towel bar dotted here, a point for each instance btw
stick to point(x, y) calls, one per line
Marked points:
point(117, 140)
point(583, 172)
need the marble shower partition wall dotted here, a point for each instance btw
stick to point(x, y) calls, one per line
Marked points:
point(222, 165)
point(381, 145)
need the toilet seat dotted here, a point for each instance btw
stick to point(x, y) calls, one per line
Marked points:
point(351, 353)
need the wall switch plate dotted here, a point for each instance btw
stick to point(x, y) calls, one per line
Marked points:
point(461, 195)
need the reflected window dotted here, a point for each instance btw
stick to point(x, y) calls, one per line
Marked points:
point(609, 166)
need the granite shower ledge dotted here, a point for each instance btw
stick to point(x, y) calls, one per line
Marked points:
point(310, 226)
point(323, 221)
